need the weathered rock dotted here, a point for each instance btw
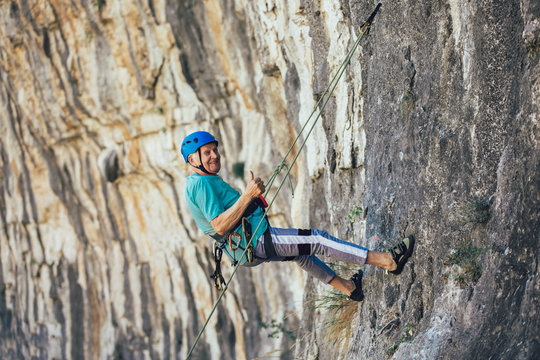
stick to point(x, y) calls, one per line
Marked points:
point(437, 112)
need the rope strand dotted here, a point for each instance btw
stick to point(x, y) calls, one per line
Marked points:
point(364, 30)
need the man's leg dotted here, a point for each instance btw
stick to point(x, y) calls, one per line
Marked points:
point(294, 242)
point(345, 286)
point(319, 270)
point(309, 263)
point(381, 259)
point(300, 245)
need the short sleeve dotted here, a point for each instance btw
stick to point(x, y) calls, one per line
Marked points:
point(208, 200)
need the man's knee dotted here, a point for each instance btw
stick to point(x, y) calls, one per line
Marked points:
point(304, 249)
point(303, 260)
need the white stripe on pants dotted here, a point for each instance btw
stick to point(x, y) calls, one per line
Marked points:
point(303, 248)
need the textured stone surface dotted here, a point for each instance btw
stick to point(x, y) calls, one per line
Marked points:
point(437, 109)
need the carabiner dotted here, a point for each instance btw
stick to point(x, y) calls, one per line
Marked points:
point(231, 241)
point(218, 253)
point(250, 254)
point(246, 228)
point(219, 281)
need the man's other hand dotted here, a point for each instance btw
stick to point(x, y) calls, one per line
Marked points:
point(255, 186)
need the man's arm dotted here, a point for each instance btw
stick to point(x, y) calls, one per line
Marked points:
point(224, 222)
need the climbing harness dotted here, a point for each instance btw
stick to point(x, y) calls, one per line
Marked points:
point(364, 30)
point(234, 240)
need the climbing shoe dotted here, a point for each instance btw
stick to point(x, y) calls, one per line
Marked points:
point(357, 294)
point(401, 253)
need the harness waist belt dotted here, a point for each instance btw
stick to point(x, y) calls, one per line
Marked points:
point(253, 205)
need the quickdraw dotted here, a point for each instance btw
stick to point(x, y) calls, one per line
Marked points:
point(219, 281)
point(246, 228)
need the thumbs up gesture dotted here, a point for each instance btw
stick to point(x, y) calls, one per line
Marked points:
point(255, 186)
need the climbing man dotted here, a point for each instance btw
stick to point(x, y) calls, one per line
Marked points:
point(230, 217)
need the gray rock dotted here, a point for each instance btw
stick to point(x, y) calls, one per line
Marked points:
point(432, 130)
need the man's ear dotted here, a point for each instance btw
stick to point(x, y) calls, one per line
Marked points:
point(190, 158)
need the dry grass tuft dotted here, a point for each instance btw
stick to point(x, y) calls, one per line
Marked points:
point(339, 313)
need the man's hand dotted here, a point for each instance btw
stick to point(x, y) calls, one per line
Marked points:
point(255, 187)
point(224, 222)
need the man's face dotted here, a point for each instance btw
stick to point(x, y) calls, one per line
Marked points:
point(210, 158)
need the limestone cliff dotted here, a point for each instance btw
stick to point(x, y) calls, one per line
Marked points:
point(433, 130)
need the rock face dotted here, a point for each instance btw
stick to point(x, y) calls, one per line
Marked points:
point(433, 130)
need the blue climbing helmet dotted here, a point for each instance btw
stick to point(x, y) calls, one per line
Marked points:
point(194, 141)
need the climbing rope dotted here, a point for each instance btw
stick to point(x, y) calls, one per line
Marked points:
point(364, 30)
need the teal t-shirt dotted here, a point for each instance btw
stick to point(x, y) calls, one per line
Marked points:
point(207, 196)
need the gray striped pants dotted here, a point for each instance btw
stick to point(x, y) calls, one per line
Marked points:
point(301, 246)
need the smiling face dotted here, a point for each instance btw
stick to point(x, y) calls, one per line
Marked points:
point(210, 159)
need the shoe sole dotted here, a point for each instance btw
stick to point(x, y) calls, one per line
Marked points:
point(406, 257)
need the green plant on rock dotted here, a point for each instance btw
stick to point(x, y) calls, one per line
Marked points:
point(477, 211)
point(89, 36)
point(277, 330)
point(466, 257)
point(357, 211)
point(407, 335)
point(238, 170)
point(100, 4)
point(407, 102)
point(343, 266)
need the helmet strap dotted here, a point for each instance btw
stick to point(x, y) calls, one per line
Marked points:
point(201, 167)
